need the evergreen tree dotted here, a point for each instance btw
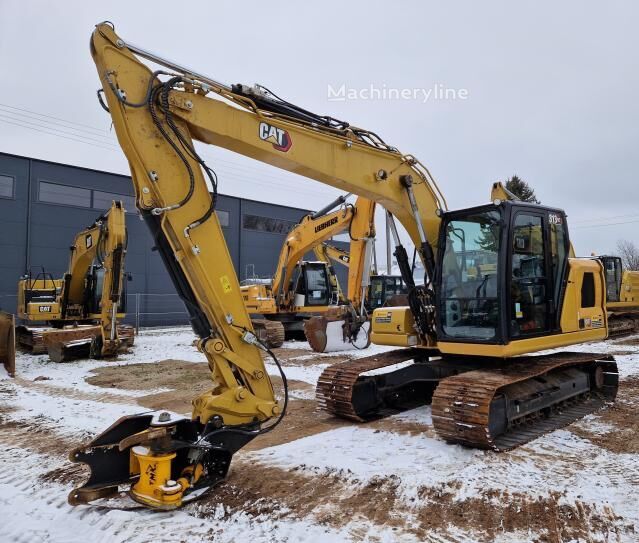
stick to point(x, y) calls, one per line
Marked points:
point(522, 190)
point(488, 239)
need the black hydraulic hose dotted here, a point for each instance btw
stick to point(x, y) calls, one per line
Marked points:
point(271, 427)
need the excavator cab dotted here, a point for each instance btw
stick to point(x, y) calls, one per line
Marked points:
point(502, 274)
point(613, 270)
point(93, 292)
point(384, 290)
point(313, 285)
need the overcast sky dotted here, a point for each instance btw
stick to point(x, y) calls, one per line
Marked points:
point(549, 90)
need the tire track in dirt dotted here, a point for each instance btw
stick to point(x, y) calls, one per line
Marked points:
point(73, 393)
point(622, 416)
point(336, 502)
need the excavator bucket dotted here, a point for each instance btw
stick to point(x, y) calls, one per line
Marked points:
point(8, 343)
point(77, 342)
point(326, 334)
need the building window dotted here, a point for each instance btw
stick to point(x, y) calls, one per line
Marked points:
point(64, 194)
point(224, 217)
point(6, 186)
point(103, 200)
point(267, 224)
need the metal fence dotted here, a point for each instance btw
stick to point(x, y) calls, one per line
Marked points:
point(142, 310)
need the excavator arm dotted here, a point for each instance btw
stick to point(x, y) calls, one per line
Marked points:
point(327, 253)
point(174, 459)
point(111, 252)
point(314, 229)
point(254, 123)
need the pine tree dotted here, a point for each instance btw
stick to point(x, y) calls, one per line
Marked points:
point(522, 190)
point(488, 239)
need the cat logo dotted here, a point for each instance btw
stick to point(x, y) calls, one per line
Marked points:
point(44, 309)
point(277, 136)
point(88, 241)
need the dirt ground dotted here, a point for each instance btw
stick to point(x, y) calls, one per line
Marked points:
point(334, 499)
point(282, 493)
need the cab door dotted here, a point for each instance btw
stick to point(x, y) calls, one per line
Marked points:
point(529, 275)
point(538, 265)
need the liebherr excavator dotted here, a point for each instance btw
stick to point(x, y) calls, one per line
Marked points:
point(83, 307)
point(299, 288)
point(464, 331)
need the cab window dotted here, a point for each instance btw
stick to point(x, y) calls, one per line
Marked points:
point(469, 307)
point(529, 310)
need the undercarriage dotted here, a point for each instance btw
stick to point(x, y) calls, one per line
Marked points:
point(484, 403)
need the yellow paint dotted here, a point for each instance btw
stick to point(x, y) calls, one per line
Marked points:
point(226, 284)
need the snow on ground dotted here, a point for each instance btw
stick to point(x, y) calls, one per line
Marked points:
point(67, 416)
point(150, 346)
point(37, 511)
point(578, 468)
point(307, 374)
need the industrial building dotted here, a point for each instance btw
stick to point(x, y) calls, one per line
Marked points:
point(44, 204)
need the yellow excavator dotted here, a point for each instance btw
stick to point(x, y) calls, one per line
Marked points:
point(469, 336)
point(622, 297)
point(83, 307)
point(300, 289)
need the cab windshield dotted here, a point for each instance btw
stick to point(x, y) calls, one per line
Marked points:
point(468, 298)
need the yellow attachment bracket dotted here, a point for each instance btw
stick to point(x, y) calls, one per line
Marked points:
point(155, 487)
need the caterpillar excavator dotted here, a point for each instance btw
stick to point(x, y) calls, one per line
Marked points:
point(622, 297)
point(83, 307)
point(300, 289)
point(469, 336)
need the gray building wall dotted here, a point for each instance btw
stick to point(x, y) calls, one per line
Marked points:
point(36, 234)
